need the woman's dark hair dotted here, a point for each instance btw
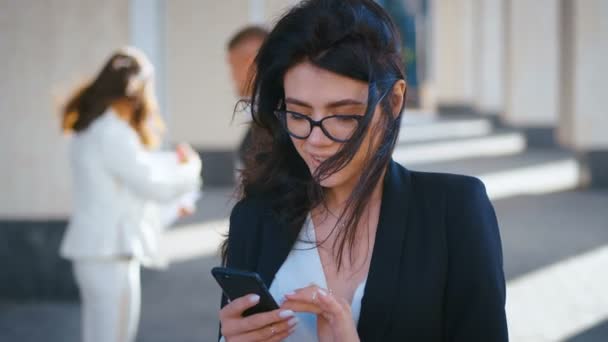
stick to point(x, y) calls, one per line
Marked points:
point(353, 38)
point(127, 75)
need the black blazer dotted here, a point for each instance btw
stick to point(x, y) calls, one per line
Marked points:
point(436, 271)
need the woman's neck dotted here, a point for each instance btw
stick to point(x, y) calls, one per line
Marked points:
point(337, 197)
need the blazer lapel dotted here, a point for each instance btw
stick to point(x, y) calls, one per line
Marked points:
point(385, 265)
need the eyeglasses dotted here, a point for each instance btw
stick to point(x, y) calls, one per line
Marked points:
point(338, 128)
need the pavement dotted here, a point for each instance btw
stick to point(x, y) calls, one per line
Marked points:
point(555, 246)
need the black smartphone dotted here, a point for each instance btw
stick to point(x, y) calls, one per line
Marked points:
point(236, 283)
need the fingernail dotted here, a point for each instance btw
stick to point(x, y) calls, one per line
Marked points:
point(322, 292)
point(291, 293)
point(285, 313)
point(254, 298)
point(292, 321)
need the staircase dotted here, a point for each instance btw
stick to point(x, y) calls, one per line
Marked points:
point(499, 157)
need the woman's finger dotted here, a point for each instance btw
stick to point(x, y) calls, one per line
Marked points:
point(260, 320)
point(281, 336)
point(332, 305)
point(306, 294)
point(309, 295)
point(270, 331)
point(307, 289)
point(236, 307)
point(300, 306)
point(317, 300)
point(242, 325)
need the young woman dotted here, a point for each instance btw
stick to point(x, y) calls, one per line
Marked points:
point(118, 184)
point(351, 244)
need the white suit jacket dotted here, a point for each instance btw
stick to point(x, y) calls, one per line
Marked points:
point(118, 186)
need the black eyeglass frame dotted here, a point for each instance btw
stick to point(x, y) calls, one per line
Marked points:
point(282, 115)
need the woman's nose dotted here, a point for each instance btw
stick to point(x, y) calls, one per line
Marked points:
point(318, 137)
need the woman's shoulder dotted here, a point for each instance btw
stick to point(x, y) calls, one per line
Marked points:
point(458, 196)
point(246, 220)
point(470, 222)
point(111, 128)
point(467, 206)
point(432, 182)
point(252, 205)
point(447, 182)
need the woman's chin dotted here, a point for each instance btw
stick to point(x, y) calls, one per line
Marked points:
point(330, 182)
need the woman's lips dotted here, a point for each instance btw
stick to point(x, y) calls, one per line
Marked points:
point(316, 160)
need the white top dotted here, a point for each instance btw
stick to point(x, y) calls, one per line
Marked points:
point(302, 267)
point(118, 186)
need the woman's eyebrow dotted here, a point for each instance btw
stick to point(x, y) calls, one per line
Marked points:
point(340, 103)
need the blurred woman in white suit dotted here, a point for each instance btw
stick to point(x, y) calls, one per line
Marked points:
point(119, 183)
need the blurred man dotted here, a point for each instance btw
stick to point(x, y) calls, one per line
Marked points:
point(242, 49)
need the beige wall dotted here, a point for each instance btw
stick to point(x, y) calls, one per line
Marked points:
point(46, 47)
point(584, 117)
point(200, 97)
point(489, 55)
point(275, 8)
point(452, 52)
point(533, 62)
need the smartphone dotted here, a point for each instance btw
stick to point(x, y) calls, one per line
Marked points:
point(237, 284)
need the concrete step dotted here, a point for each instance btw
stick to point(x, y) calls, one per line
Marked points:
point(534, 171)
point(555, 250)
point(418, 127)
point(446, 149)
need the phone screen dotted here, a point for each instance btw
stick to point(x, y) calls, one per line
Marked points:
point(236, 284)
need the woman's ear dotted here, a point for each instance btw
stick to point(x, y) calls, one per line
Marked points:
point(398, 97)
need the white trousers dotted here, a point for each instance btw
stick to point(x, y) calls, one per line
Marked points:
point(110, 293)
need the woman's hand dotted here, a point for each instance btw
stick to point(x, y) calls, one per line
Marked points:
point(185, 211)
point(270, 326)
point(334, 318)
point(184, 152)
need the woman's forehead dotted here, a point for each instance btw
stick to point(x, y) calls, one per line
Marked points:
point(308, 83)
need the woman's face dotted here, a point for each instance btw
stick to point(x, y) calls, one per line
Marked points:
point(318, 93)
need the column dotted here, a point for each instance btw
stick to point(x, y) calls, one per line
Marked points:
point(452, 55)
point(147, 32)
point(532, 89)
point(489, 57)
point(583, 124)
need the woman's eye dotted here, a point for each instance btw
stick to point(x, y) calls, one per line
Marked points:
point(344, 118)
point(293, 116)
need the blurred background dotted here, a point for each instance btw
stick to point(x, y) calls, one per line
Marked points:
point(510, 91)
